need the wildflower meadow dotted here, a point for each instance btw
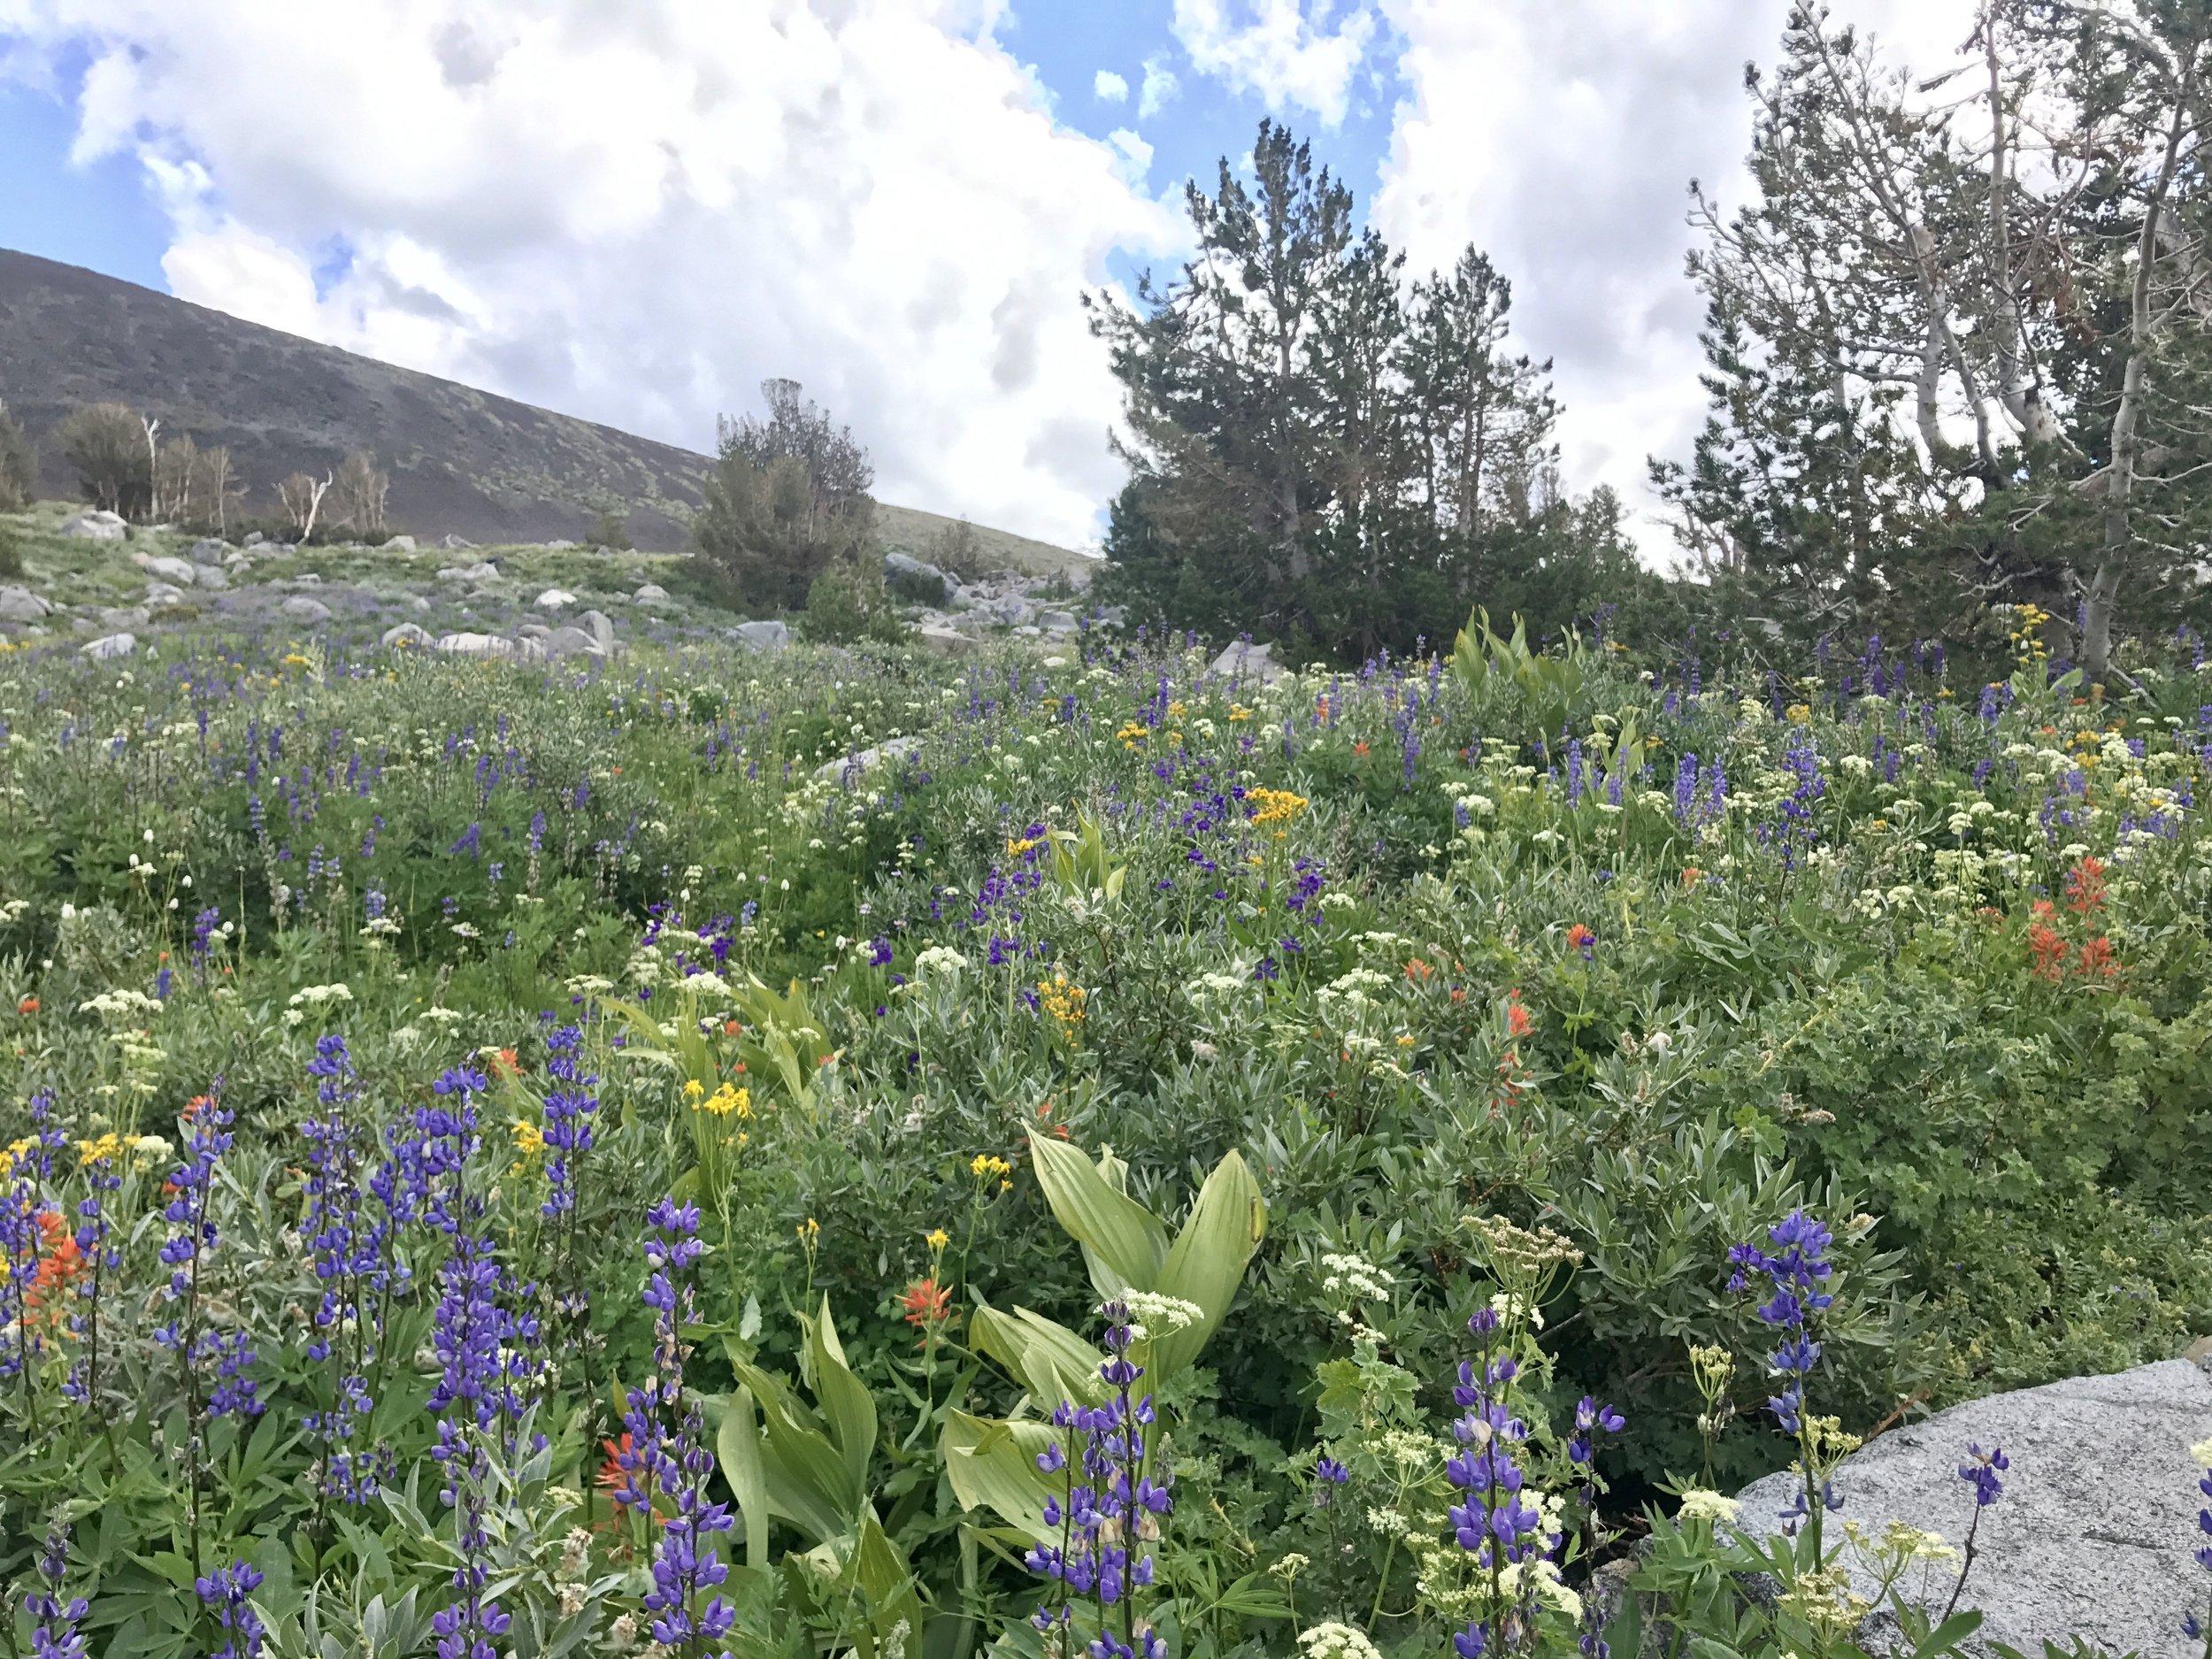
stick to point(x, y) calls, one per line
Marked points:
point(1085, 1148)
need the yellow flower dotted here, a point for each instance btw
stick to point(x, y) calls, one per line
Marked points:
point(1131, 733)
point(529, 1139)
point(694, 1088)
point(726, 1100)
point(1274, 806)
point(1800, 713)
point(1238, 711)
point(937, 1238)
point(809, 1230)
point(985, 1166)
point(1016, 848)
point(1064, 1002)
point(13, 1151)
point(107, 1146)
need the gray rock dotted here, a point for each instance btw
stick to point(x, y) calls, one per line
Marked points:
point(398, 544)
point(532, 631)
point(761, 636)
point(300, 608)
point(210, 550)
point(554, 599)
point(1251, 662)
point(1056, 621)
point(651, 594)
point(161, 595)
point(183, 572)
point(124, 618)
point(254, 538)
point(2094, 1534)
point(867, 760)
point(20, 604)
point(945, 642)
point(490, 645)
point(112, 645)
point(1112, 616)
point(419, 603)
point(407, 636)
point(237, 559)
point(485, 571)
point(213, 577)
point(305, 578)
point(601, 628)
point(910, 579)
point(458, 543)
point(560, 544)
point(565, 642)
point(1014, 610)
point(95, 526)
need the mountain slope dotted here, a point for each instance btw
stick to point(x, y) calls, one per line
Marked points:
point(462, 462)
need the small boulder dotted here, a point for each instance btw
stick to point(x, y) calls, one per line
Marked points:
point(570, 642)
point(456, 543)
point(398, 544)
point(1111, 616)
point(945, 642)
point(210, 550)
point(303, 610)
point(910, 579)
point(895, 748)
point(1056, 621)
point(161, 595)
point(651, 594)
point(761, 636)
point(124, 618)
point(1248, 661)
point(211, 576)
point(597, 623)
point(20, 604)
point(532, 631)
point(554, 599)
point(95, 526)
point(407, 636)
point(483, 571)
point(490, 645)
point(2101, 1492)
point(183, 572)
point(254, 538)
point(111, 645)
point(560, 544)
point(237, 560)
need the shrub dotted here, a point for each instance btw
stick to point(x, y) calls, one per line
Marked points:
point(611, 529)
point(19, 465)
point(108, 446)
point(846, 605)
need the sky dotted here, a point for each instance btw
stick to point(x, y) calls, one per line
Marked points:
point(635, 211)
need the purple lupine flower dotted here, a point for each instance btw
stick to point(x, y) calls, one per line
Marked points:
point(224, 1593)
point(668, 1453)
point(1792, 1272)
point(570, 1109)
point(1981, 1472)
point(55, 1634)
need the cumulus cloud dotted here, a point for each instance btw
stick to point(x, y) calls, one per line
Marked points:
point(1134, 150)
point(1561, 138)
point(1110, 87)
point(1159, 89)
point(637, 211)
point(1277, 50)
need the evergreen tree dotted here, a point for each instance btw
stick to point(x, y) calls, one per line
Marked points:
point(787, 500)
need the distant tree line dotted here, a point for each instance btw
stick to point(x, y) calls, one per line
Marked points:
point(125, 466)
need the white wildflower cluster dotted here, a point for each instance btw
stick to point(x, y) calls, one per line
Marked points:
point(1210, 986)
point(314, 999)
point(1333, 1640)
point(1151, 1314)
point(1345, 995)
point(1698, 1504)
point(1355, 1276)
point(939, 962)
point(122, 1004)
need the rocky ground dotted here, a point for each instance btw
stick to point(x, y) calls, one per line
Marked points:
point(114, 587)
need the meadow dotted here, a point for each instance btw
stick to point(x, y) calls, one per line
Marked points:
point(843, 1150)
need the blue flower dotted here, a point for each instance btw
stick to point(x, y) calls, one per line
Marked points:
point(1981, 1472)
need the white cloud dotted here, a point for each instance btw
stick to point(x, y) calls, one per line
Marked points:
point(636, 211)
point(1110, 87)
point(1134, 150)
point(1160, 88)
point(1279, 51)
point(1561, 138)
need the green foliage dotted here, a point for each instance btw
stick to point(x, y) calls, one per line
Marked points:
point(847, 604)
point(19, 465)
point(786, 504)
point(611, 529)
point(108, 446)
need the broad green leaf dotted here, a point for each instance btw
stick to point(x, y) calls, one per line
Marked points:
point(888, 1582)
point(1208, 1259)
point(994, 1466)
point(806, 1477)
point(848, 1408)
point(1050, 1360)
point(1123, 1242)
point(737, 1446)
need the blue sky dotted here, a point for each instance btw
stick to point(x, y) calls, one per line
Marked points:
point(636, 210)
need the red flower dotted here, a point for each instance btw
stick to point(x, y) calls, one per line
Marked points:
point(1583, 940)
point(28, 1005)
point(59, 1264)
point(1517, 1020)
point(2098, 961)
point(927, 1305)
point(2084, 886)
point(2047, 953)
point(612, 1476)
point(1359, 749)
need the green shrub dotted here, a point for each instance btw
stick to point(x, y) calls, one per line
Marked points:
point(844, 606)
